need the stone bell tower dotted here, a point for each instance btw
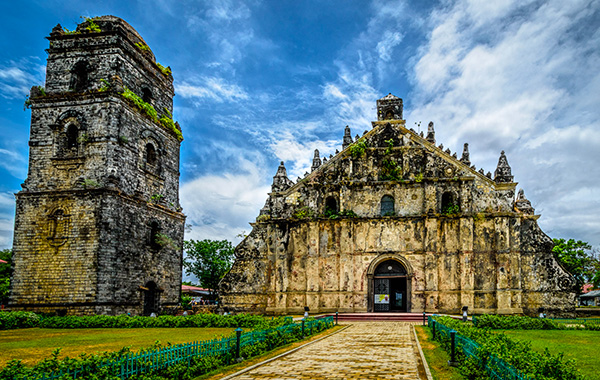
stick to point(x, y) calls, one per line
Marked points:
point(98, 227)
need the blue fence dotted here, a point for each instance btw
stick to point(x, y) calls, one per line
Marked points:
point(154, 360)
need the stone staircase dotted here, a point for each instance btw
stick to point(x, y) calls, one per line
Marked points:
point(381, 316)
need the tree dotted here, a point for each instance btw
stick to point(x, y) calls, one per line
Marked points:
point(5, 272)
point(578, 259)
point(208, 260)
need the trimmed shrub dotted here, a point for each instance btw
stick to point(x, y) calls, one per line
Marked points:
point(518, 354)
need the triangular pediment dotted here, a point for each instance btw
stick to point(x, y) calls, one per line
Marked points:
point(391, 152)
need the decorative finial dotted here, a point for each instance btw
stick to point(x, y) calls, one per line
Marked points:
point(522, 204)
point(430, 133)
point(316, 161)
point(503, 173)
point(280, 181)
point(465, 156)
point(347, 138)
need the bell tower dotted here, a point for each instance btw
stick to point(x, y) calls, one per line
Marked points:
point(98, 226)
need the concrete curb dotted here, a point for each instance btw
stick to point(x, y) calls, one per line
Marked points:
point(425, 365)
point(280, 355)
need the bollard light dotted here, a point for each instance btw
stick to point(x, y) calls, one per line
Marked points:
point(306, 310)
point(336, 318)
point(452, 362)
point(424, 318)
point(541, 311)
point(464, 312)
point(238, 335)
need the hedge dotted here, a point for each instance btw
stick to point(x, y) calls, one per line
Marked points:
point(517, 354)
point(21, 319)
point(513, 322)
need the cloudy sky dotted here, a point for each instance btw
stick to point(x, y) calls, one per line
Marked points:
point(258, 82)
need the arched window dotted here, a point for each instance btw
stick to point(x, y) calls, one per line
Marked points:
point(449, 204)
point(387, 205)
point(147, 95)
point(331, 206)
point(389, 115)
point(72, 137)
point(150, 156)
point(79, 77)
point(390, 268)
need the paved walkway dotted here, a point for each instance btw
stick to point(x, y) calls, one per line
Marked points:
point(365, 350)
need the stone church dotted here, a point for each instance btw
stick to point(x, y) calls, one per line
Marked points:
point(98, 226)
point(395, 223)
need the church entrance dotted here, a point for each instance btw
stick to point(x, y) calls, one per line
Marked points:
point(390, 287)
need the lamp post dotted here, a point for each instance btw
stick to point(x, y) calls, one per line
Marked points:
point(306, 310)
point(541, 311)
point(464, 312)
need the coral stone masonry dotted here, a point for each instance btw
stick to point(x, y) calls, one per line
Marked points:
point(396, 223)
point(98, 227)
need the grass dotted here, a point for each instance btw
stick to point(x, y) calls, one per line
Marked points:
point(33, 345)
point(581, 345)
point(436, 357)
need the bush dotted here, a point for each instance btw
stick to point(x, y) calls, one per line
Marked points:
point(517, 354)
point(20, 319)
point(513, 322)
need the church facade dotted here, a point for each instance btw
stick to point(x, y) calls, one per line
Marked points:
point(395, 223)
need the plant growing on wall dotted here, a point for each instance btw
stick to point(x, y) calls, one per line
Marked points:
point(451, 209)
point(303, 213)
point(358, 148)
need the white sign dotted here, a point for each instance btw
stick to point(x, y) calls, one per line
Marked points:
point(382, 298)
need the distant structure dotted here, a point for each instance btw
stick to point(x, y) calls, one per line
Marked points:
point(98, 226)
point(394, 223)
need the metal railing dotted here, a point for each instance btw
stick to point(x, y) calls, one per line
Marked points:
point(495, 367)
point(154, 360)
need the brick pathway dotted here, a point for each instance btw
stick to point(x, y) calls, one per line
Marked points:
point(365, 350)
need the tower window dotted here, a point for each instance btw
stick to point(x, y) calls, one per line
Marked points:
point(387, 205)
point(80, 78)
point(150, 156)
point(153, 239)
point(147, 95)
point(72, 136)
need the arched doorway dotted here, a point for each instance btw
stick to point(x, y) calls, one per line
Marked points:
point(389, 284)
point(151, 298)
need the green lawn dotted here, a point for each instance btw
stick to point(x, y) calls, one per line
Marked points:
point(436, 356)
point(582, 345)
point(33, 345)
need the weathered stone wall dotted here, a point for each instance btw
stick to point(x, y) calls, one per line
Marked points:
point(485, 252)
point(98, 220)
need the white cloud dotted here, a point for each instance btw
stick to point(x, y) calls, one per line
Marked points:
point(518, 76)
point(16, 78)
point(387, 44)
point(221, 206)
point(212, 88)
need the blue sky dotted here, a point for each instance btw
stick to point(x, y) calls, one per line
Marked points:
point(258, 82)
